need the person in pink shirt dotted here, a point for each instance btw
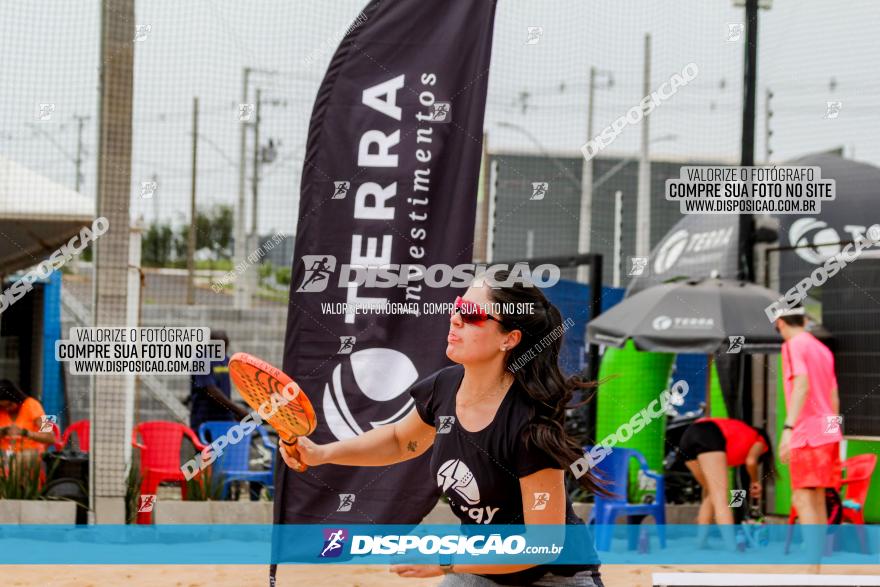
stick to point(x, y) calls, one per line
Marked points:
point(811, 435)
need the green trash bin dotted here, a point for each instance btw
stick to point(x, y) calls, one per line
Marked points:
point(640, 378)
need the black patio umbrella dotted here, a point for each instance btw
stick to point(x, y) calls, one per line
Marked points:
point(694, 316)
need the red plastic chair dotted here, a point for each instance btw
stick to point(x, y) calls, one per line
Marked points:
point(56, 432)
point(857, 471)
point(160, 457)
point(857, 482)
point(82, 430)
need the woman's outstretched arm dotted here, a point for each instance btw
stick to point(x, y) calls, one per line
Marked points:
point(382, 446)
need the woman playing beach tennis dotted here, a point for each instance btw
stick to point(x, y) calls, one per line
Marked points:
point(496, 421)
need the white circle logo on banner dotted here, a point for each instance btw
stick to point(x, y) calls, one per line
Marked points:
point(671, 250)
point(381, 375)
point(661, 323)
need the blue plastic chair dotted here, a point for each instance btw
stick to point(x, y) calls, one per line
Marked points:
point(614, 469)
point(234, 463)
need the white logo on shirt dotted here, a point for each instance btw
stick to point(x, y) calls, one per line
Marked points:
point(455, 475)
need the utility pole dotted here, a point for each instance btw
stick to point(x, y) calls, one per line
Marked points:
point(191, 241)
point(585, 226)
point(155, 179)
point(490, 225)
point(81, 121)
point(643, 206)
point(242, 292)
point(481, 227)
point(251, 277)
point(111, 398)
point(256, 188)
point(243, 289)
point(742, 403)
point(618, 237)
point(586, 213)
point(747, 148)
point(768, 132)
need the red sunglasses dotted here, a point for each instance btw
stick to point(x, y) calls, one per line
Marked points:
point(472, 313)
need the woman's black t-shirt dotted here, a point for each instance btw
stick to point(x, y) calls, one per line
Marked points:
point(479, 471)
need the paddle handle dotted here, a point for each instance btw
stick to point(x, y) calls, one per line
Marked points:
point(292, 444)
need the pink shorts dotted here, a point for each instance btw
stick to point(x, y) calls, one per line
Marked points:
point(815, 466)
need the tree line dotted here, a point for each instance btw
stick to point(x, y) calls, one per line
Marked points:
point(164, 246)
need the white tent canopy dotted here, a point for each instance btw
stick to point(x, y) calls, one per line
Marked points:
point(37, 216)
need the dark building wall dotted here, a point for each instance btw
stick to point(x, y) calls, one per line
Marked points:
point(850, 311)
point(555, 219)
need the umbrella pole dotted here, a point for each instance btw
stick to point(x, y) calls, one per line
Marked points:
point(740, 391)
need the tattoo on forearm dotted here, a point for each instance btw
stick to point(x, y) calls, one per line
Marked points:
point(412, 445)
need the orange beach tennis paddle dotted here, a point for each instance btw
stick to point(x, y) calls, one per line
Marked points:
point(257, 381)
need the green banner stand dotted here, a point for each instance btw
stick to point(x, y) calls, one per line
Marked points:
point(639, 378)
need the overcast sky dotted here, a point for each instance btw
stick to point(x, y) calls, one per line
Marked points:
point(49, 54)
